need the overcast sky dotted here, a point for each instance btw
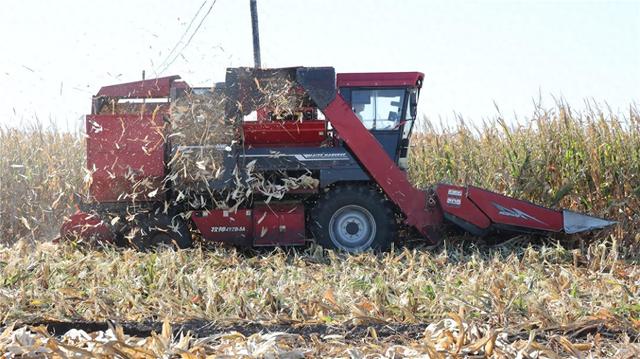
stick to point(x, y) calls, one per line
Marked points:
point(56, 54)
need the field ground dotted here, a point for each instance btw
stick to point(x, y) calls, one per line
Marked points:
point(570, 302)
point(527, 297)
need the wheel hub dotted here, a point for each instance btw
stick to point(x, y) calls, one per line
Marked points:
point(352, 228)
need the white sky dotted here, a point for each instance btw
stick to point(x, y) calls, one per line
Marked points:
point(55, 54)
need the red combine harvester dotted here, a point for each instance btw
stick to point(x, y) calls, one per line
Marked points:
point(356, 153)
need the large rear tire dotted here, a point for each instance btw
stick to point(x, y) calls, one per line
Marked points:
point(353, 218)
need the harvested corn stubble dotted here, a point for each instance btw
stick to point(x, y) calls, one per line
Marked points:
point(437, 341)
point(453, 301)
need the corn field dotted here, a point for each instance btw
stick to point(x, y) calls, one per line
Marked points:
point(41, 169)
point(522, 298)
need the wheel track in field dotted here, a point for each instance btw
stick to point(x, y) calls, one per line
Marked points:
point(386, 331)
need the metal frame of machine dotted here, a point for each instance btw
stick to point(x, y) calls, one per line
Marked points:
point(338, 150)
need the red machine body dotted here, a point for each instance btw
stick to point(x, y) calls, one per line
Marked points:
point(128, 153)
point(513, 212)
point(477, 210)
point(153, 88)
point(87, 226)
point(290, 134)
point(264, 225)
point(226, 226)
point(455, 202)
point(279, 224)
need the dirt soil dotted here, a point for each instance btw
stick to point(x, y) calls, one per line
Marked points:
point(397, 332)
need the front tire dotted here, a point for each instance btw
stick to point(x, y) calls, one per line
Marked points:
point(353, 219)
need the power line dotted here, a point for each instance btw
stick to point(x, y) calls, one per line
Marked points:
point(184, 34)
point(190, 38)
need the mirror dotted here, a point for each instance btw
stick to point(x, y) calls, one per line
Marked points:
point(413, 104)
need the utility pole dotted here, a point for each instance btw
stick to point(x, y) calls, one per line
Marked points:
point(256, 36)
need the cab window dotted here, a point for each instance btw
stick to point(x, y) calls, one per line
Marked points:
point(378, 109)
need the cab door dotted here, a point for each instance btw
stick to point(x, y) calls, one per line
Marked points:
point(381, 110)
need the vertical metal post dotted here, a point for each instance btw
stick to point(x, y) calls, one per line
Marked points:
point(256, 36)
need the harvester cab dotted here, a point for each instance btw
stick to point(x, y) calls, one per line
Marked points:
point(386, 103)
point(277, 157)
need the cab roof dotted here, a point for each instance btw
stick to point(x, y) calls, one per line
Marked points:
point(379, 79)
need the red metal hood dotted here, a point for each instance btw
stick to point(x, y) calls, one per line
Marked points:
point(158, 87)
point(377, 79)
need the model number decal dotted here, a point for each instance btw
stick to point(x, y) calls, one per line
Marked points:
point(339, 156)
point(454, 201)
point(321, 156)
point(223, 229)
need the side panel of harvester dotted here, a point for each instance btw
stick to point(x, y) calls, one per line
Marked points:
point(126, 152)
point(126, 155)
point(277, 223)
